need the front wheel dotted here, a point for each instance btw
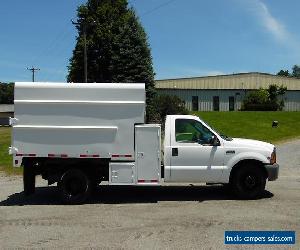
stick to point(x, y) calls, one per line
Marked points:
point(74, 186)
point(249, 182)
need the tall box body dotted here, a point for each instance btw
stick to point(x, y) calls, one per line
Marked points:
point(147, 153)
point(77, 119)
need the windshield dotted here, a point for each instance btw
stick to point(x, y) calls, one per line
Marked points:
point(225, 137)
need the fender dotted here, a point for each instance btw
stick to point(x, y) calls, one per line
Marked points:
point(240, 157)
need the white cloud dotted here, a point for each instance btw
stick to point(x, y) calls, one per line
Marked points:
point(273, 26)
point(213, 73)
point(271, 23)
point(200, 72)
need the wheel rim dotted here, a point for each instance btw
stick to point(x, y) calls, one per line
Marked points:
point(250, 182)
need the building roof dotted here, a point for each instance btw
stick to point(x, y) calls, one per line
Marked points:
point(6, 108)
point(252, 80)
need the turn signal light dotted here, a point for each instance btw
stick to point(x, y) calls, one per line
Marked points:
point(273, 157)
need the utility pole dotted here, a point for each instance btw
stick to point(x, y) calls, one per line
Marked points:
point(32, 69)
point(84, 49)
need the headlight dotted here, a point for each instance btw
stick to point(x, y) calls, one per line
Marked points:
point(273, 157)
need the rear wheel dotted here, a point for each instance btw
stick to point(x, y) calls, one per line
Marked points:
point(74, 186)
point(28, 178)
point(249, 182)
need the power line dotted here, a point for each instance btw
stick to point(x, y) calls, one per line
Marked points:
point(158, 7)
point(51, 46)
point(62, 34)
point(32, 69)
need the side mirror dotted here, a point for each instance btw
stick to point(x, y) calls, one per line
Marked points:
point(215, 141)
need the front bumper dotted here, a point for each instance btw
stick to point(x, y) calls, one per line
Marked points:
point(273, 171)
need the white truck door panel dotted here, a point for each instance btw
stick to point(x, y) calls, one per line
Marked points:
point(197, 163)
point(193, 158)
point(147, 153)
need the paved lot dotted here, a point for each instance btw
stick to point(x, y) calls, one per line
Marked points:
point(178, 217)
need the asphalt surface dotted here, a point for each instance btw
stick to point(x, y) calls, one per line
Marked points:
point(168, 217)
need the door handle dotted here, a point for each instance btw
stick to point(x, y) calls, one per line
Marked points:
point(174, 151)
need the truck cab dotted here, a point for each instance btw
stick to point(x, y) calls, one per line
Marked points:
point(195, 152)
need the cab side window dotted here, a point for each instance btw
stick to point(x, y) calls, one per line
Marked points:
point(191, 131)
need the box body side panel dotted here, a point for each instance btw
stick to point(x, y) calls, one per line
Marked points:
point(77, 119)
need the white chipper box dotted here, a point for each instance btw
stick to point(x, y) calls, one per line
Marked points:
point(77, 120)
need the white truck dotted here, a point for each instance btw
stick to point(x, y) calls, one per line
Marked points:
point(78, 135)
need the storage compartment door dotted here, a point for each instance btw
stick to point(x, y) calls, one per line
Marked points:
point(147, 149)
point(121, 173)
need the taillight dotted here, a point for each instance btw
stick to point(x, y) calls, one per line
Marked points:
point(273, 157)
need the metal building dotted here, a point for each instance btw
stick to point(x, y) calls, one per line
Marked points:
point(6, 111)
point(226, 92)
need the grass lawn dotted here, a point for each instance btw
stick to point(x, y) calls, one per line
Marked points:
point(255, 125)
point(5, 158)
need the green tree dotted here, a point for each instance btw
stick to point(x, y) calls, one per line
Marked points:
point(167, 105)
point(117, 47)
point(276, 94)
point(296, 71)
point(283, 73)
point(6, 93)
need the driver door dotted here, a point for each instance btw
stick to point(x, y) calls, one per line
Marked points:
point(194, 158)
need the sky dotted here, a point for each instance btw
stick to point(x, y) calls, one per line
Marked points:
point(188, 38)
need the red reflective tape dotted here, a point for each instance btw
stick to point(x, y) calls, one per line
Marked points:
point(25, 154)
point(121, 156)
point(58, 155)
point(89, 156)
point(143, 181)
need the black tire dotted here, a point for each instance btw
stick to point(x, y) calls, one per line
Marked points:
point(249, 182)
point(75, 187)
point(28, 178)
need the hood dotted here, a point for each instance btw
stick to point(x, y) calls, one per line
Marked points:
point(248, 143)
